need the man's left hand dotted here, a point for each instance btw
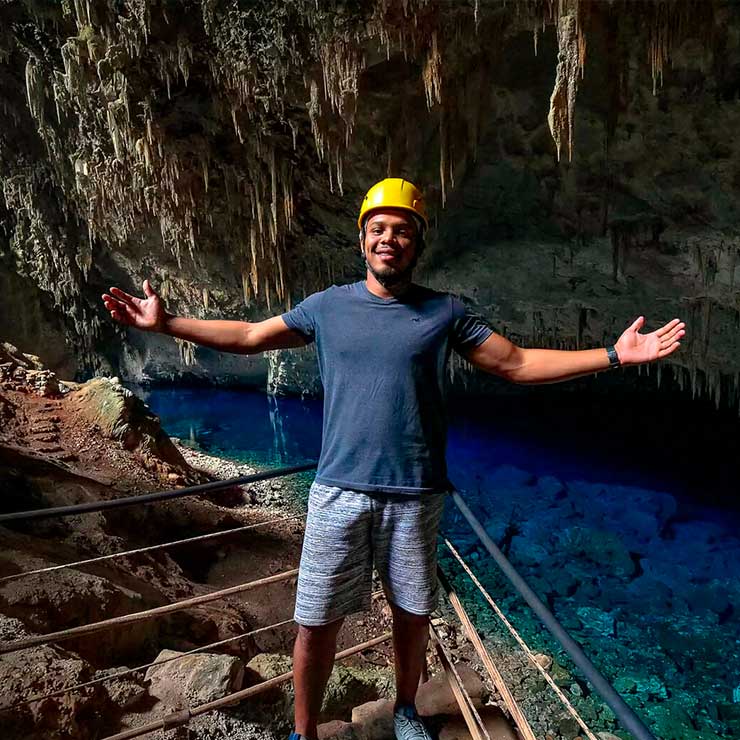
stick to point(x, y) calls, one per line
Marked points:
point(634, 348)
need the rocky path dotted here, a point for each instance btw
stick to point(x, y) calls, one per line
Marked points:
point(272, 494)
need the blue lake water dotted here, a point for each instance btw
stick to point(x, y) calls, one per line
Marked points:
point(621, 540)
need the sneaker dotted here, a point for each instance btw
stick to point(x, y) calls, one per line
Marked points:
point(296, 736)
point(408, 725)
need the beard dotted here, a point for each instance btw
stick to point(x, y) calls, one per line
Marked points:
point(389, 276)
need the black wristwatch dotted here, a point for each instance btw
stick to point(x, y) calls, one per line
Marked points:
point(611, 353)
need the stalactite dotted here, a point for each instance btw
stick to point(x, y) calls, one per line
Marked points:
point(314, 114)
point(187, 351)
point(35, 92)
point(561, 117)
point(432, 73)
point(131, 167)
point(245, 285)
point(442, 156)
point(706, 323)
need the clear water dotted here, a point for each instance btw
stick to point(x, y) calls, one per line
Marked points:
point(620, 544)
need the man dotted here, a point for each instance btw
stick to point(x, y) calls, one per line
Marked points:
point(382, 345)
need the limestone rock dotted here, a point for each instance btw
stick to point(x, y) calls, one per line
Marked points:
point(496, 724)
point(122, 416)
point(25, 373)
point(194, 679)
point(373, 719)
point(543, 660)
point(601, 547)
point(436, 697)
point(41, 670)
point(125, 692)
point(596, 621)
point(337, 730)
point(73, 597)
point(348, 686)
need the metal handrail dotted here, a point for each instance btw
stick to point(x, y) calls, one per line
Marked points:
point(629, 720)
point(148, 498)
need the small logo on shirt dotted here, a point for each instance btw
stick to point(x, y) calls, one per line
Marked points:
point(416, 318)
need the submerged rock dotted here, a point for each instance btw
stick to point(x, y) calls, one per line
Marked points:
point(599, 546)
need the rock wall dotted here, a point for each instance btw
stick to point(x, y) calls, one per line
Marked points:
point(580, 163)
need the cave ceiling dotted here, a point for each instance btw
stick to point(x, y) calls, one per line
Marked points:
point(580, 159)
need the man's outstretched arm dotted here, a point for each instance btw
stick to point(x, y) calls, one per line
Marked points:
point(499, 356)
point(241, 337)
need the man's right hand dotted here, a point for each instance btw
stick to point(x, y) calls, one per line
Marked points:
point(146, 313)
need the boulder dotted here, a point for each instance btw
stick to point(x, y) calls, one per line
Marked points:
point(560, 674)
point(526, 551)
point(496, 724)
point(125, 692)
point(71, 598)
point(436, 697)
point(648, 687)
point(596, 621)
point(600, 547)
point(545, 661)
point(348, 686)
point(45, 669)
point(549, 489)
point(669, 721)
point(122, 416)
point(374, 720)
point(269, 665)
point(336, 730)
point(625, 685)
point(194, 679)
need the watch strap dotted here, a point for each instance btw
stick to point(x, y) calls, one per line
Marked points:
point(611, 353)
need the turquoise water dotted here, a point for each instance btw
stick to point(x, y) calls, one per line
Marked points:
point(632, 543)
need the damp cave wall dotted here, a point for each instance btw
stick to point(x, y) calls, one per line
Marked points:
point(227, 164)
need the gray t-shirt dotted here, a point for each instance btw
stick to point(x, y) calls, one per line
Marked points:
point(382, 363)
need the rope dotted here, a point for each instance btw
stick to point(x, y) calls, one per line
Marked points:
point(522, 644)
point(181, 718)
point(149, 498)
point(498, 681)
point(470, 714)
point(130, 671)
point(140, 550)
point(11, 647)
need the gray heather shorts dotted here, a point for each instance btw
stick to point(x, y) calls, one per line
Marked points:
point(346, 531)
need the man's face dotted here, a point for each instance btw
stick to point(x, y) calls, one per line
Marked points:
point(390, 245)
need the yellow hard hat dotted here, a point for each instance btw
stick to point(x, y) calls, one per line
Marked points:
point(394, 192)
